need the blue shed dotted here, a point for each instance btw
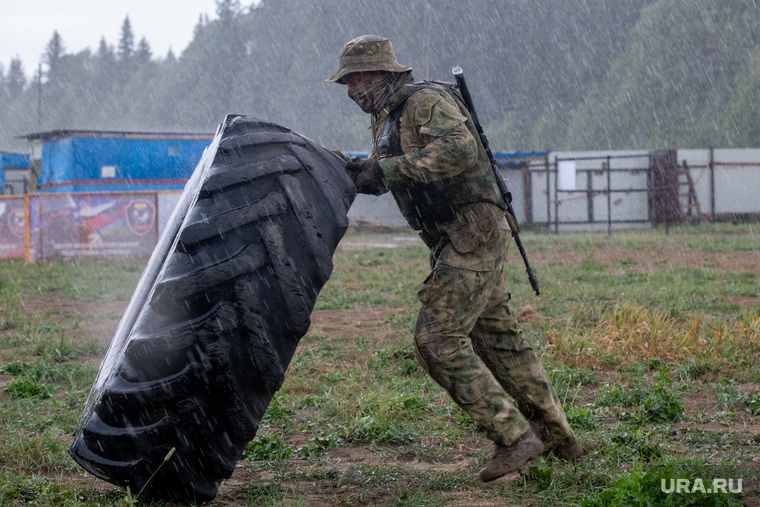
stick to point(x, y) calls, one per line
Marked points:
point(11, 162)
point(96, 160)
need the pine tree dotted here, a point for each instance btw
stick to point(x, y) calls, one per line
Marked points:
point(227, 10)
point(15, 81)
point(228, 54)
point(106, 69)
point(105, 52)
point(126, 43)
point(199, 27)
point(143, 54)
point(54, 52)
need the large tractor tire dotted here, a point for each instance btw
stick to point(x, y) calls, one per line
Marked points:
point(217, 315)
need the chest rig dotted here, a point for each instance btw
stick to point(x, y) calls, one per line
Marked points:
point(429, 205)
point(389, 138)
point(388, 142)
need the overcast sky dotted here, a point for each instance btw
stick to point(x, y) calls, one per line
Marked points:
point(26, 26)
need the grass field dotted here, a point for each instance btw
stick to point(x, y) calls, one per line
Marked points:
point(652, 341)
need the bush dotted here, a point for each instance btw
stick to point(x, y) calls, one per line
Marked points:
point(664, 404)
point(620, 395)
point(269, 447)
point(321, 443)
point(20, 388)
point(637, 488)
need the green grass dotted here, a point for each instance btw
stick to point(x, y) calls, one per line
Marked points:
point(358, 421)
point(79, 279)
point(707, 237)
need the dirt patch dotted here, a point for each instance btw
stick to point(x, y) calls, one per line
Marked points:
point(699, 402)
point(329, 491)
point(741, 300)
point(342, 322)
point(94, 320)
point(527, 314)
point(391, 243)
point(704, 405)
point(88, 481)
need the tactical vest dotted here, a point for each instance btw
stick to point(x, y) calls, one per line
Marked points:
point(427, 206)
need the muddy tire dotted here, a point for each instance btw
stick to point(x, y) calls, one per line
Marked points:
point(218, 313)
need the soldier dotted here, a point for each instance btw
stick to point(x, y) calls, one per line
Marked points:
point(428, 155)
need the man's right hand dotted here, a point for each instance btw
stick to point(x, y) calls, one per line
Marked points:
point(359, 165)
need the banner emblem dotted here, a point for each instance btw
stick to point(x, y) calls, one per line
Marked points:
point(17, 221)
point(141, 215)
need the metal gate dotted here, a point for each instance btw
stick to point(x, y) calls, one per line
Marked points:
point(599, 190)
point(624, 189)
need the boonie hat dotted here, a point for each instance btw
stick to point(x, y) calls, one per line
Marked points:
point(366, 53)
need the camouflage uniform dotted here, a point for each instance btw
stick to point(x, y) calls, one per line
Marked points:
point(466, 336)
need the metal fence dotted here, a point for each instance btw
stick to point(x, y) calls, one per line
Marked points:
point(615, 190)
point(598, 191)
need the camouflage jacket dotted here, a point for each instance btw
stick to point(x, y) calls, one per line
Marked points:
point(448, 190)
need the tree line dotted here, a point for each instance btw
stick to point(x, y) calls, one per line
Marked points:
point(545, 75)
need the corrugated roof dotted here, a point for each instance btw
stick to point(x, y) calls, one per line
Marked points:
point(52, 135)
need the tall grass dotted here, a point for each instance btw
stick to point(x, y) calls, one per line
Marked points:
point(628, 333)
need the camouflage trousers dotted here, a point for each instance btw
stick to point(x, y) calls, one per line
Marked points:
point(469, 341)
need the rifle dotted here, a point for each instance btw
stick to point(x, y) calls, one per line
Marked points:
point(461, 86)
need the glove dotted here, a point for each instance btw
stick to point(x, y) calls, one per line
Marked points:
point(360, 165)
point(389, 171)
point(367, 176)
point(373, 177)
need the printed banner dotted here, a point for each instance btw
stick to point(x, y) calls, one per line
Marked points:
point(167, 201)
point(96, 225)
point(12, 224)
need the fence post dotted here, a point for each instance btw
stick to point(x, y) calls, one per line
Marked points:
point(590, 195)
point(527, 197)
point(40, 229)
point(546, 168)
point(556, 196)
point(548, 200)
point(609, 197)
point(27, 231)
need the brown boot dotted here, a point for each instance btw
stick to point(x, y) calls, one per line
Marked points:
point(568, 452)
point(509, 458)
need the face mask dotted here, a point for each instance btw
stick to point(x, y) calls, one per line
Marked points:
point(371, 95)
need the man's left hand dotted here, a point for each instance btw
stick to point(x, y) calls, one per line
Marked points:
point(390, 171)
